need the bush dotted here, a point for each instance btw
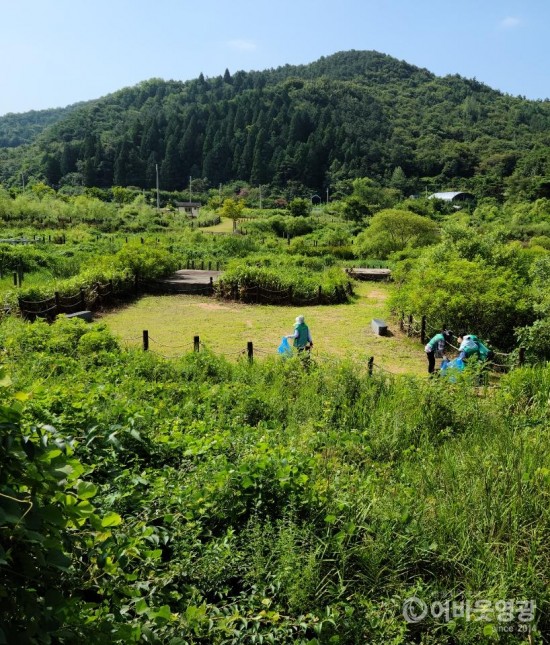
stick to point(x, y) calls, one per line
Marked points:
point(395, 230)
point(146, 261)
point(536, 340)
point(98, 340)
point(469, 296)
point(243, 279)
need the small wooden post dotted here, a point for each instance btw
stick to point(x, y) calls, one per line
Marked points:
point(196, 343)
point(193, 264)
point(82, 298)
point(402, 321)
point(250, 351)
point(423, 331)
point(210, 265)
point(370, 365)
point(521, 358)
point(218, 265)
point(410, 325)
point(202, 265)
point(15, 278)
point(211, 284)
point(145, 340)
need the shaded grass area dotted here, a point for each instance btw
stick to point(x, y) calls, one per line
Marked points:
point(226, 327)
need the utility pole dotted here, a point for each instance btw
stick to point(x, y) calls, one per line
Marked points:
point(158, 195)
point(190, 200)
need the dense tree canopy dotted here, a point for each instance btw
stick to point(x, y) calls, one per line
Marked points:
point(353, 114)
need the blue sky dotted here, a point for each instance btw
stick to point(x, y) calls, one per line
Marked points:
point(57, 52)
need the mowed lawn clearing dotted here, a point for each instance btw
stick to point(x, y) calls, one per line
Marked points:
point(225, 226)
point(225, 327)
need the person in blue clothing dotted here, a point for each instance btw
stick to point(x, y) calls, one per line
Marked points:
point(301, 335)
point(435, 348)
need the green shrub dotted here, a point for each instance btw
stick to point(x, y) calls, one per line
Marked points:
point(146, 261)
point(242, 280)
point(98, 340)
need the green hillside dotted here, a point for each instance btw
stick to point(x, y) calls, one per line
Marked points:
point(20, 129)
point(353, 114)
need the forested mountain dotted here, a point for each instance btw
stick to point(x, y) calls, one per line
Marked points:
point(18, 129)
point(356, 113)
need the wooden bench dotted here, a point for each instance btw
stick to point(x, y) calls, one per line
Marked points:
point(85, 315)
point(379, 274)
point(379, 327)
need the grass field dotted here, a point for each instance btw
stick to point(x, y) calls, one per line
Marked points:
point(225, 327)
point(225, 226)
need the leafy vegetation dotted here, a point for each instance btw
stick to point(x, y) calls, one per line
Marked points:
point(203, 501)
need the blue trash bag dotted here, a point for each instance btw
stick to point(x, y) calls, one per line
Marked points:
point(450, 368)
point(455, 364)
point(284, 348)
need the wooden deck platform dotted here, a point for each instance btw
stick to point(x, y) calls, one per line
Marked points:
point(369, 274)
point(192, 276)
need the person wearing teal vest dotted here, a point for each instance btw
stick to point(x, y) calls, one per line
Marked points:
point(301, 335)
point(436, 346)
point(470, 345)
